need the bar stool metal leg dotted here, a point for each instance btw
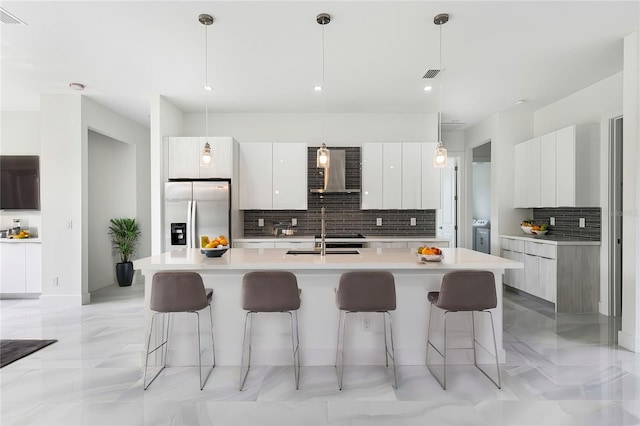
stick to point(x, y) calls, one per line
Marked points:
point(295, 344)
point(213, 346)
point(340, 348)
point(443, 353)
point(495, 350)
point(246, 348)
point(202, 382)
point(391, 355)
point(163, 346)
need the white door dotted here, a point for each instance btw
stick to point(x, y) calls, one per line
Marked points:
point(446, 221)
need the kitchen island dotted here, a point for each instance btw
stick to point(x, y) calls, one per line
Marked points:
point(317, 277)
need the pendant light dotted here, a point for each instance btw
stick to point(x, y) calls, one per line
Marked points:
point(207, 157)
point(323, 155)
point(440, 155)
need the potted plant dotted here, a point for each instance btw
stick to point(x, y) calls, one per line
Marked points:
point(124, 234)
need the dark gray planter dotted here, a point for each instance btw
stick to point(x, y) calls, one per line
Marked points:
point(124, 273)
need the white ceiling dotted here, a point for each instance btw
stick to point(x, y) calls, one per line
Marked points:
point(265, 56)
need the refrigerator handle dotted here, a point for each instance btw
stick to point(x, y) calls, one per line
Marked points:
point(189, 225)
point(194, 242)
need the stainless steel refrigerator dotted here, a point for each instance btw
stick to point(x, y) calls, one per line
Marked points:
point(193, 209)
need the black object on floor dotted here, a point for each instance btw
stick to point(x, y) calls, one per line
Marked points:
point(13, 350)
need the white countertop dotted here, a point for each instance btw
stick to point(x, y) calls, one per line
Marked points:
point(311, 238)
point(552, 239)
point(19, 240)
point(256, 259)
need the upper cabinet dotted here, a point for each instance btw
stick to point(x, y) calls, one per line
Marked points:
point(290, 176)
point(185, 158)
point(273, 176)
point(558, 169)
point(399, 176)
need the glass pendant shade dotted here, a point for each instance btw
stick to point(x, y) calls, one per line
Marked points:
point(323, 157)
point(440, 156)
point(206, 154)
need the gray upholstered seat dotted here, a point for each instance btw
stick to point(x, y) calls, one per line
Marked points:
point(463, 291)
point(365, 291)
point(270, 291)
point(174, 292)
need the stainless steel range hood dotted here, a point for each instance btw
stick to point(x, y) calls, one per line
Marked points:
point(335, 175)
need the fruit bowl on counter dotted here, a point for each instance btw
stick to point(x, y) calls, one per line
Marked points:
point(527, 229)
point(429, 254)
point(214, 252)
point(539, 231)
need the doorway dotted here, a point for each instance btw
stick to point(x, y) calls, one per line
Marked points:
point(481, 198)
point(447, 214)
point(615, 216)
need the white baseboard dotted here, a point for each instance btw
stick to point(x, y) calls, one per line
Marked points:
point(629, 341)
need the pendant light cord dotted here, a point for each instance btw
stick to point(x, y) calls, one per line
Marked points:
point(440, 93)
point(206, 83)
point(323, 88)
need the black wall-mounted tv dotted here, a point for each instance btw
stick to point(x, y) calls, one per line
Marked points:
point(19, 182)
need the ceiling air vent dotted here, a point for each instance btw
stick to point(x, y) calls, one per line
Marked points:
point(8, 18)
point(431, 74)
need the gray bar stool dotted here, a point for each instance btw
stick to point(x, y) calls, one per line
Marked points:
point(270, 291)
point(366, 291)
point(178, 292)
point(464, 291)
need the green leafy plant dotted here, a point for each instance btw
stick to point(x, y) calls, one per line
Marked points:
point(125, 233)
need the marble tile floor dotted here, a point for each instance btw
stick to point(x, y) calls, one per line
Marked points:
point(560, 370)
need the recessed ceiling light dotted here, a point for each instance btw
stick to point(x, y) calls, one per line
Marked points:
point(76, 86)
point(427, 88)
point(317, 88)
point(520, 101)
point(208, 88)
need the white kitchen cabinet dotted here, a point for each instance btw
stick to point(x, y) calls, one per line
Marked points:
point(185, 158)
point(559, 169)
point(386, 244)
point(514, 277)
point(391, 176)
point(255, 176)
point(577, 171)
point(290, 176)
point(548, 170)
point(399, 176)
point(520, 178)
point(371, 176)
point(273, 176)
point(412, 175)
point(300, 245)
point(532, 166)
point(20, 268)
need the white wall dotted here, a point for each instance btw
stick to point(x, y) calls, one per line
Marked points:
point(503, 130)
point(20, 135)
point(585, 106)
point(481, 191)
point(112, 168)
point(65, 124)
point(629, 336)
point(340, 129)
point(166, 120)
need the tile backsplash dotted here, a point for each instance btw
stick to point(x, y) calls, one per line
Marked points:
point(343, 214)
point(567, 221)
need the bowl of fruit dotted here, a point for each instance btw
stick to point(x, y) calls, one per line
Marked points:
point(429, 254)
point(527, 226)
point(540, 230)
point(214, 248)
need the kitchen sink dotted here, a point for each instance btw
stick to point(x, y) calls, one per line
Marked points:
point(318, 252)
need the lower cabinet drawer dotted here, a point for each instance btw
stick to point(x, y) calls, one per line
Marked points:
point(549, 251)
point(512, 245)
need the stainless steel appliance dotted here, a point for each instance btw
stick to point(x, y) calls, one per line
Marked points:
point(196, 208)
point(481, 235)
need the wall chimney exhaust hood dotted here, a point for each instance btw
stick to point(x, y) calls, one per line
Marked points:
point(335, 175)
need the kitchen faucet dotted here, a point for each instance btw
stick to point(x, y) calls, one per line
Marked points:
point(323, 245)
